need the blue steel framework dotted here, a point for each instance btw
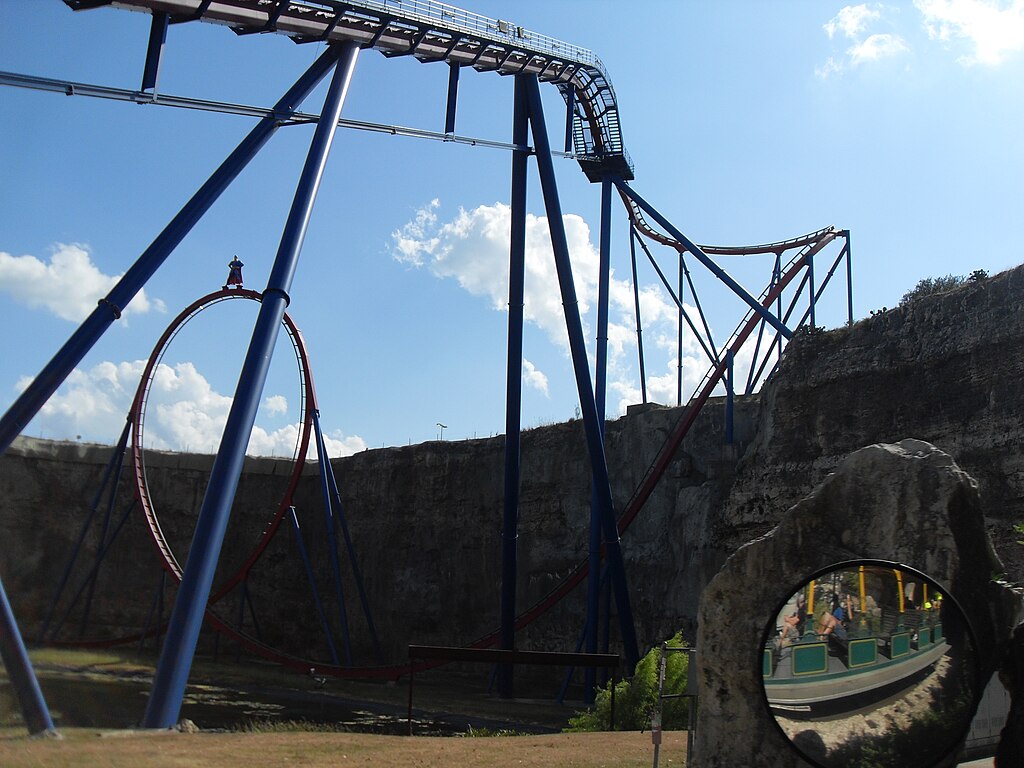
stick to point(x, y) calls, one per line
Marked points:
point(430, 31)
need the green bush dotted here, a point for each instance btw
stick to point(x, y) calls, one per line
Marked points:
point(932, 285)
point(635, 699)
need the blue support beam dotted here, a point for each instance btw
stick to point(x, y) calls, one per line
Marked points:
point(600, 388)
point(154, 52)
point(338, 510)
point(570, 113)
point(19, 670)
point(332, 544)
point(680, 286)
point(639, 323)
point(810, 286)
point(187, 616)
point(730, 396)
point(514, 383)
point(704, 259)
point(311, 578)
point(577, 345)
point(849, 277)
point(453, 97)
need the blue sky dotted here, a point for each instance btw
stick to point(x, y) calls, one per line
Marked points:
point(748, 122)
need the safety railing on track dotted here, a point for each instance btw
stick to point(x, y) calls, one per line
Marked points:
point(453, 19)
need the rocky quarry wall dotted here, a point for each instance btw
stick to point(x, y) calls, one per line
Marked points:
point(426, 519)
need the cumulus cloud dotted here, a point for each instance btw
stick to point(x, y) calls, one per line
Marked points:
point(874, 47)
point(851, 24)
point(68, 285)
point(473, 249)
point(993, 29)
point(276, 404)
point(534, 378)
point(184, 413)
point(850, 21)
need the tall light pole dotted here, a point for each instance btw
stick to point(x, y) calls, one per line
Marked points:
point(440, 430)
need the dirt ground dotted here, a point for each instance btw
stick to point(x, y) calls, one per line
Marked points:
point(83, 748)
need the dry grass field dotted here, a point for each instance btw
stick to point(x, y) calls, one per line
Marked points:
point(82, 748)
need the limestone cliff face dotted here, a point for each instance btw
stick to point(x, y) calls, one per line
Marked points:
point(426, 520)
point(945, 368)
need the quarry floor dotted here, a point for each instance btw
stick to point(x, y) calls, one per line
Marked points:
point(437, 698)
point(82, 748)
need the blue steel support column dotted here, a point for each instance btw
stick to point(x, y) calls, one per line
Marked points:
point(157, 39)
point(776, 276)
point(679, 336)
point(332, 539)
point(513, 382)
point(849, 278)
point(109, 309)
point(730, 392)
point(570, 112)
point(578, 349)
point(19, 669)
point(810, 284)
point(187, 616)
point(639, 323)
point(453, 97)
point(704, 259)
point(600, 388)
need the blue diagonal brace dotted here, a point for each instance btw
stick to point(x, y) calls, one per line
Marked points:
point(704, 259)
point(19, 669)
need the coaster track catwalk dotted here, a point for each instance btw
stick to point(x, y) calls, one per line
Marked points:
point(430, 32)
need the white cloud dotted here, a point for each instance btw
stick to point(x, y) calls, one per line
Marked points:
point(473, 248)
point(338, 444)
point(184, 413)
point(875, 47)
point(852, 23)
point(851, 20)
point(993, 29)
point(829, 68)
point(90, 403)
point(275, 404)
point(535, 378)
point(69, 285)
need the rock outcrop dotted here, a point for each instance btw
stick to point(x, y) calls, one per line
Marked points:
point(909, 503)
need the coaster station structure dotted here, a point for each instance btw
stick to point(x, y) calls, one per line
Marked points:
point(431, 32)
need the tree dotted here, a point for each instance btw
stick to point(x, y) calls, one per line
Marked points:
point(636, 699)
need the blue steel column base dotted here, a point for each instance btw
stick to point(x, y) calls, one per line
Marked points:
point(19, 669)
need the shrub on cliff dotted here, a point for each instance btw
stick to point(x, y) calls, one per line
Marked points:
point(933, 285)
point(635, 699)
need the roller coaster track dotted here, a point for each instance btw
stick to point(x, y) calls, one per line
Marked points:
point(138, 415)
point(432, 31)
point(636, 216)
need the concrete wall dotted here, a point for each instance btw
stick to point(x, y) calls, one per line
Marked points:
point(426, 519)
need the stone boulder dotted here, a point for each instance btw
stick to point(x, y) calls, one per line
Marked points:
point(909, 503)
